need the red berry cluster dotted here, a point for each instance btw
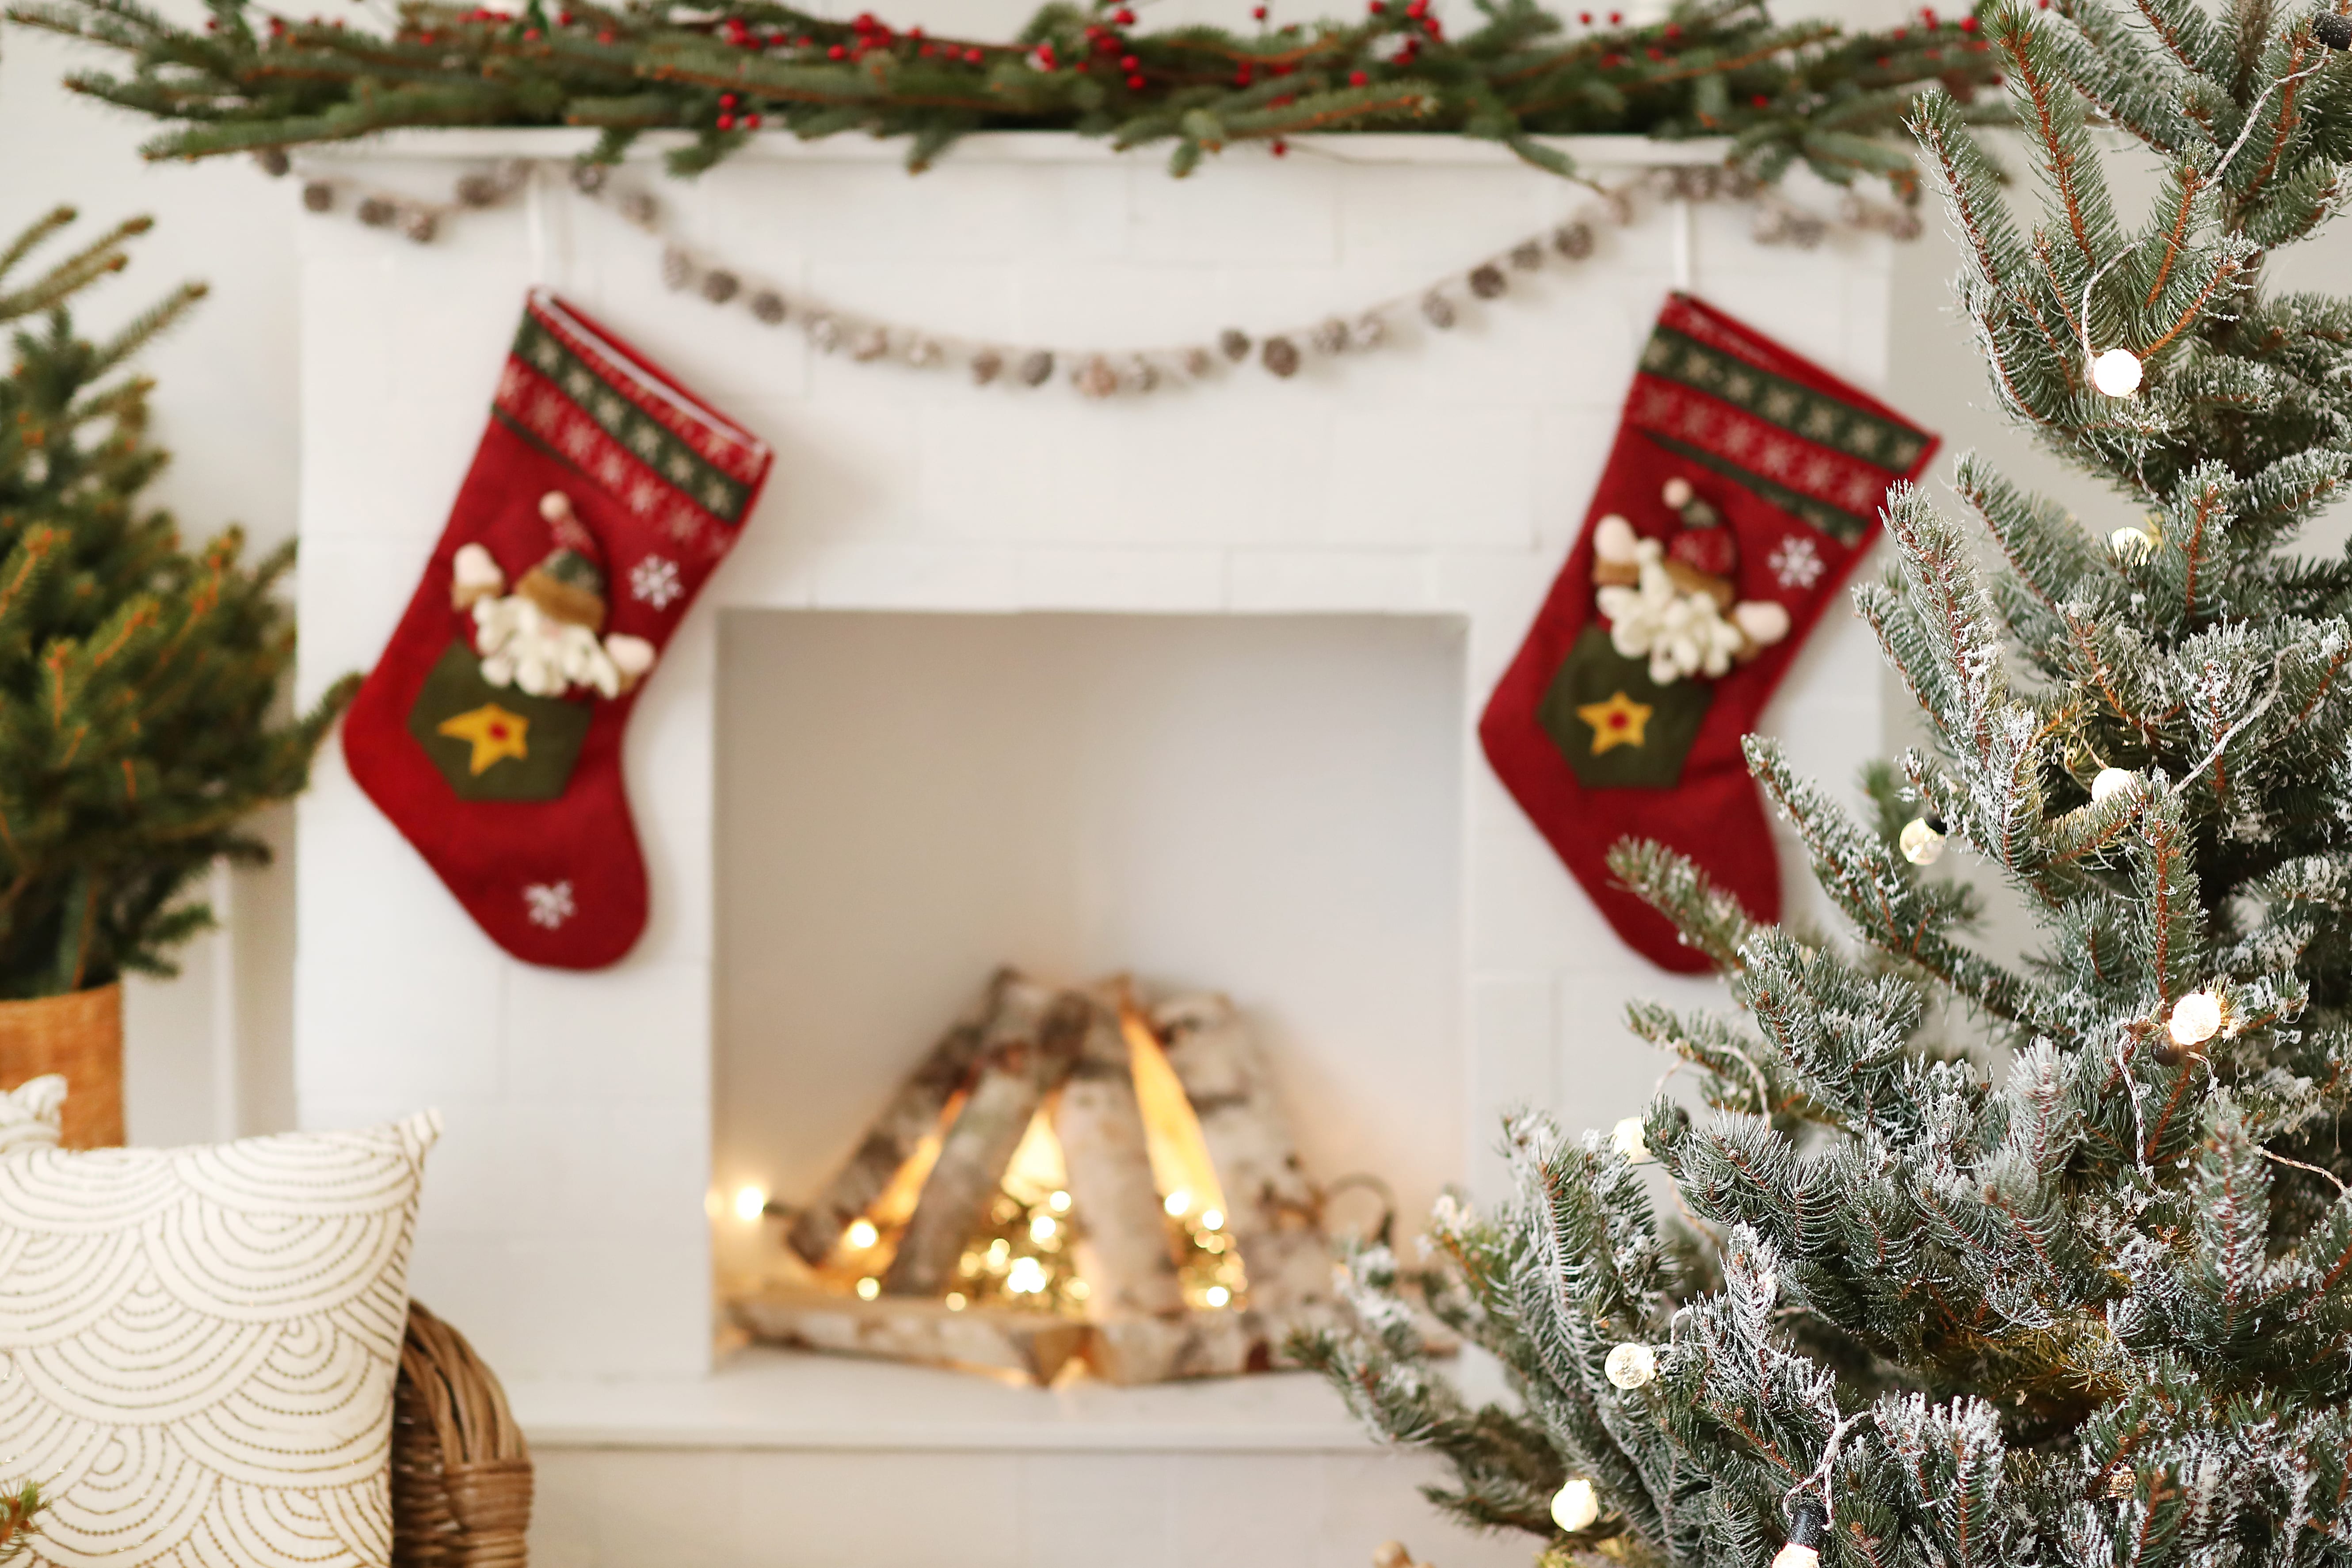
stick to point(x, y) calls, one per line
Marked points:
point(730, 120)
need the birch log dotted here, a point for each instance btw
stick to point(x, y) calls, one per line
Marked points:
point(1123, 1249)
point(912, 1115)
point(1131, 1350)
point(1273, 1209)
point(1036, 1345)
point(1024, 1054)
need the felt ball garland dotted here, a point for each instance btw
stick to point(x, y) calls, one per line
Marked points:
point(1104, 373)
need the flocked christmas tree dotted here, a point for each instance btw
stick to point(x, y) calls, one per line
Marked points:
point(1989, 1263)
point(137, 681)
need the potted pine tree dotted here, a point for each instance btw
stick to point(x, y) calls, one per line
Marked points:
point(139, 688)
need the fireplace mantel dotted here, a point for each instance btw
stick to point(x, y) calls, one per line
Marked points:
point(1442, 478)
point(1593, 154)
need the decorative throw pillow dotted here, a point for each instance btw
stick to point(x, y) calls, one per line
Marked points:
point(30, 1113)
point(201, 1345)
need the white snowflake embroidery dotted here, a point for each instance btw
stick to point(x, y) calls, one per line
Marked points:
point(654, 581)
point(551, 903)
point(1796, 562)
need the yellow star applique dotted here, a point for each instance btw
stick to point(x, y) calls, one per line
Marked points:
point(494, 732)
point(1616, 722)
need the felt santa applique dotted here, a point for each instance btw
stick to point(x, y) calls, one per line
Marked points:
point(503, 719)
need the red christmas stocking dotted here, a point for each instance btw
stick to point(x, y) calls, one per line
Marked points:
point(1744, 485)
point(602, 496)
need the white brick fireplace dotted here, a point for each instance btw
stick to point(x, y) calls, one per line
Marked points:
point(1397, 513)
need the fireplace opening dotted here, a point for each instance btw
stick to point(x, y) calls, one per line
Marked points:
point(1265, 806)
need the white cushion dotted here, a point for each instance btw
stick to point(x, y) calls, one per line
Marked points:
point(29, 1114)
point(201, 1346)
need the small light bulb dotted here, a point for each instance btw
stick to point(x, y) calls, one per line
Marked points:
point(1028, 1278)
point(1631, 1365)
point(1923, 840)
point(1178, 1202)
point(1042, 1228)
point(1575, 1506)
point(998, 1251)
point(955, 1300)
point(1216, 1295)
point(2116, 373)
point(751, 1203)
point(868, 1287)
point(2196, 1019)
point(1078, 1289)
point(2132, 545)
point(862, 1234)
point(2111, 783)
point(1058, 1202)
point(1627, 1139)
point(1212, 1219)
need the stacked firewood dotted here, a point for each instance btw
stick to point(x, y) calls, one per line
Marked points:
point(1133, 1306)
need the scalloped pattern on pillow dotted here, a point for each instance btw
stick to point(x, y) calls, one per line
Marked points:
point(201, 1346)
point(30, 1114)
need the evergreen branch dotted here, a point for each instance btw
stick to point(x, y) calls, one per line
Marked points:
point(1837, 100)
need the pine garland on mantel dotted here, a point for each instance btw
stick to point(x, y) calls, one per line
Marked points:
point(249, 80)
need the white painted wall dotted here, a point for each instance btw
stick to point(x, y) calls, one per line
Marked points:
point(210, 1054)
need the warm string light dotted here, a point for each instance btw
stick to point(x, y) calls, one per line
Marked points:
point(2111, 783)
point(1631, 1146)
point(1631, 1365)
point(2196, 1019)
point(2118, 373)
point(1807, 1520)
point(1025, 1255)
point(1576, 1506)
point(2133, 545)
point(1211, 1274)
point(1922, 839)
point(1101, 373)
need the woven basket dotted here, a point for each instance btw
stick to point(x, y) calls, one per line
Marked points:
point(80, 1035)
point(460, 1470)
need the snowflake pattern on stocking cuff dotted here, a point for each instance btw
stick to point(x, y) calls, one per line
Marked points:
point(1796, 562)
point(654, 581)
point(551, 903)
